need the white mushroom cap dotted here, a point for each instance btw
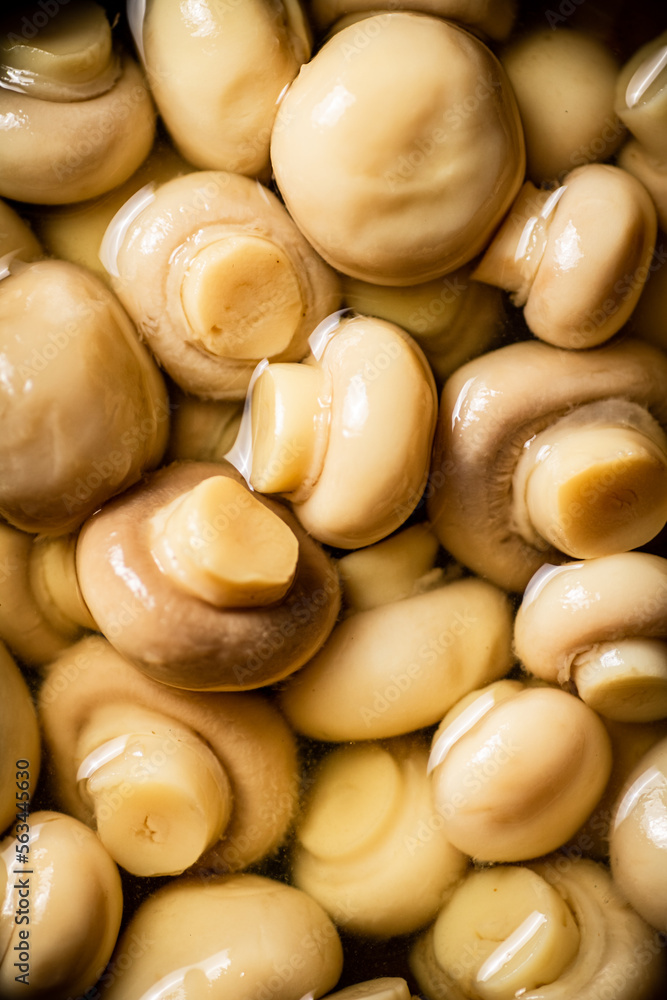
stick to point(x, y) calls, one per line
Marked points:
point(403, 197)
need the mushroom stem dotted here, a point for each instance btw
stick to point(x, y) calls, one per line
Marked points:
point(159, 794)
point(289, 413)
point(594, 482)
point(515, 929)
point(624, 680)
point(70, 58)
point(54, 582)
point(223, 545)
point(642, 104)
point(242, 298)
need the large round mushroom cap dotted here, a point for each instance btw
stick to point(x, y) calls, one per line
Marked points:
point(398, 157)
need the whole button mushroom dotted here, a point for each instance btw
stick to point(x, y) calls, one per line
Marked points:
point(204, 585)
point(570, 458)
point(230, 62)
point(84, 408)
point(41, 608)
point(641, 102)
point(516, 769)
point(485, 17)
point(169, 779)
point(553, 930)
point(61, 912)
point(564, 83)
point(575, 258)
point(369, 812)
point(400, 666)
point(601, 624)
point(20, 745)
point(217, 277)
point(75, 117)
point(638, 850)
point(228, 938)
point(404, 197)
point(330, 429)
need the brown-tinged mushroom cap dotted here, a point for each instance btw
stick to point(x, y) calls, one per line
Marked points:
point(246, 733)
point(490, 408)
point(182, 639)
point(84, 408)
point(217, 276)
point(568, 611)
point(404, 197)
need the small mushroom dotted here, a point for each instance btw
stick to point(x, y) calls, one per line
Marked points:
point(638, 850)
point(564, 82)
point(553, 930)
point(20, 747)
point(233, 73)
point(217, 277)
point(641, 102)
point(77, 119)
point(169, 779)
point(516, 769)
point(204, 585)
point(601, 624)
point(61, 912)
point(227, 938)
point(84, 408)
point(492, 19)
point(453, 318)
point(399, 667)
point(575, 258)
point(370, 847)
point(399, 198)
point(41, 608)
point(541, 451)
point(330, 429)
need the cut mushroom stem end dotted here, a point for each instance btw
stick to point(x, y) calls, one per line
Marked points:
point(223, 545)
point(624, 680)
point(160, 796)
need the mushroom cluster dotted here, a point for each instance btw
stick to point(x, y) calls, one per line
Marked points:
point(333, 500)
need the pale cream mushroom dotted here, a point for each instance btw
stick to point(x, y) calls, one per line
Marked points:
point(641, 102)
point(492, 18)
point(453, 318)
point(76, 118)
point(399, 566)
point(16, 237)
point(541, 451)
point(400, 666)
point(217, 277)
point(218, 75)
point(228, 938)
point(204, 585)
point(169, 779)
point(370, 847)
point(402, 197)
point(564, 82)
point(75, 232)
point(576, 258)
point(331, 436)
point(601, 625)
point(41, 608)
point(638, 850)
point(553, 930)
point(20, 745)
point(60, 913)
point(516, 769)
point(84, 408)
